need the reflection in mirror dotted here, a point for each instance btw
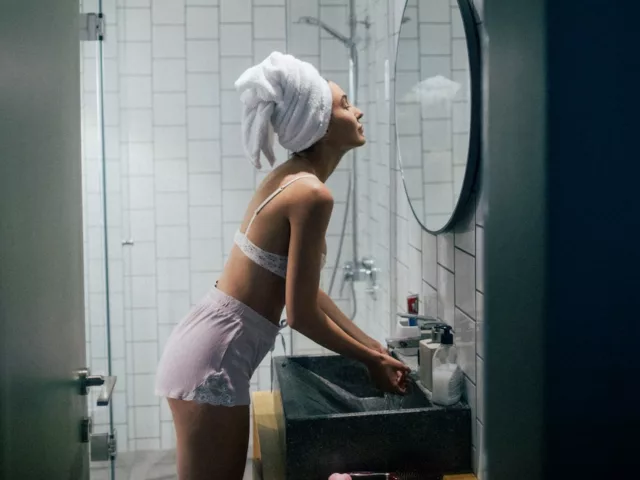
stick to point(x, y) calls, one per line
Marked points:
point(434, 108)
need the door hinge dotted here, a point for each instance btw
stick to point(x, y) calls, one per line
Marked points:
point(92, 27)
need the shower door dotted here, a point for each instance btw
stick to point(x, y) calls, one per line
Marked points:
point(104, 293)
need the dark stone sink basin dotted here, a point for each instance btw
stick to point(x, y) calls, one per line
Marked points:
point(332, 419)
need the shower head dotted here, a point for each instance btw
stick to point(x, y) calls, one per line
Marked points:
point(335, 34)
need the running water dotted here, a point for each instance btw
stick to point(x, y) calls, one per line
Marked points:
point(392, 401)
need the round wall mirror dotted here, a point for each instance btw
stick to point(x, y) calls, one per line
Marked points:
point(437, 94)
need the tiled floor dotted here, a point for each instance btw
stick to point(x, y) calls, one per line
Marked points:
point(155, 465)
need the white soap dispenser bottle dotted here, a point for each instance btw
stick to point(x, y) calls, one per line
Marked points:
point(447, 376)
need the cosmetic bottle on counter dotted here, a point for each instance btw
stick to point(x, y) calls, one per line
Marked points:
point(447, 375)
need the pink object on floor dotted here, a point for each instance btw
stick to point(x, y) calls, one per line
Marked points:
point(340, 476)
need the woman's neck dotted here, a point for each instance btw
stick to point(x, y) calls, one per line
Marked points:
point(321, 162)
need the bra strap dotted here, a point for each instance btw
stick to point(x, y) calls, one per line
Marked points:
point(271, 197)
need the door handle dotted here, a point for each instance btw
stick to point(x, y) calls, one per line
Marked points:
point(107, 383)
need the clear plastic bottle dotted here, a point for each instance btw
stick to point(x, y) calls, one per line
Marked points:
point(447, 376)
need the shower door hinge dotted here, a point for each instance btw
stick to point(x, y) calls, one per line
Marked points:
point(92, 27)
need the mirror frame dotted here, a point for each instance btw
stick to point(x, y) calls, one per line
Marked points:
point(471, 32)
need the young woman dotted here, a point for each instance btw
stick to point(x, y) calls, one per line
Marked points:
point(278, 254)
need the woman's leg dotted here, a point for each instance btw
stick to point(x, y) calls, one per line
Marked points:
point(212, 441)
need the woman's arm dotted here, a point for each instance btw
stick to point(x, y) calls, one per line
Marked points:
point(309, 219)
point(328, 306)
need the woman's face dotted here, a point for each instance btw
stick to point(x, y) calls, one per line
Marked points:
point(345, 130)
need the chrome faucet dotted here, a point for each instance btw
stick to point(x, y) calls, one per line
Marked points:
point(367, 270)
point(428, 327)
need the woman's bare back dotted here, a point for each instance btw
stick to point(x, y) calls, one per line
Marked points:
point(244, 279)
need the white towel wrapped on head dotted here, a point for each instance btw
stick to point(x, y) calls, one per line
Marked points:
point(286, 96)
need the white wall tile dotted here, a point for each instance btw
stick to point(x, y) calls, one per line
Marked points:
point(457, 24)
point(436, 135)
point(435, 11)
point(169, 41)
point(144, 320)
point(167, 436)
point(204, 123)
point(172, 209)
point(171, 176)
point(205, 190)
point(169, 109)
point(203, 89)
point(136, 58)
point(303, 40)
point(465, 232)
point(206, 3)
point(235, 203)
point(143, 258)
point(145, 357)
point(235, 11)
point(415, 272)
point(465, 340)
point(465, 282)
point(143, 292)
point(167, 12)
point(429, 258)
point(172, 242)
point(204, 156)
point(231, 68)
point(138, 124)
point(272, 23)
point(137, 92)
point(141, 193)
point(238, 173)
point(173, 275)
point(206, 255)
point(445, 244)
point(170, 142)
point(137, 24)
point(236, 39)
point(263, 48)
point(231, 109)
point(143, 227)
point(460, 55)
point(172, 306)
point(201, 283)
point(203, 56)
point(333, 55)
point(205, 222)
point(146, 422)
point(232, 140)
point(202, 23)
point(446, 295)
point(169, 75)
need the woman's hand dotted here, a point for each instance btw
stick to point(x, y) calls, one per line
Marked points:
point(389, 374)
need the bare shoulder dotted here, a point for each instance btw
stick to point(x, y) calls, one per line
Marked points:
point(311, 196)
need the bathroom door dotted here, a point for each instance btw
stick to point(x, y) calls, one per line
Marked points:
point(42, 329)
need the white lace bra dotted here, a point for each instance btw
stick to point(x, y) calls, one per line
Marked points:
point(276, 264)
